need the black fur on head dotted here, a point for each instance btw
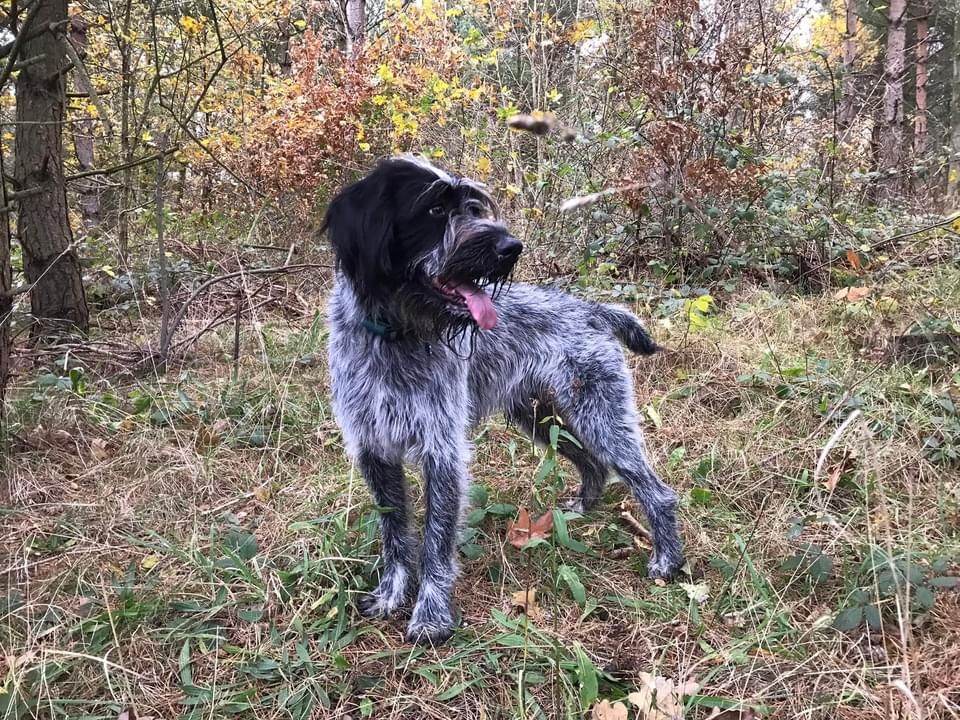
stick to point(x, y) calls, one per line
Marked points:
point(421, 247)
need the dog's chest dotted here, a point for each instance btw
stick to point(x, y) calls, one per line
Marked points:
point(394, 401)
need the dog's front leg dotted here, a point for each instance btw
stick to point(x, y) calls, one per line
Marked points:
point(445, 479)
point(398, 553)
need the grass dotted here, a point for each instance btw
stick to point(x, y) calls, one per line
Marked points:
point(192, 545)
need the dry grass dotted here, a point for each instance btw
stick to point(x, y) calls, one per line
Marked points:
point(192, 545)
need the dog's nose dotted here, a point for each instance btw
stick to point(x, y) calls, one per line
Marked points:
point(508, 248)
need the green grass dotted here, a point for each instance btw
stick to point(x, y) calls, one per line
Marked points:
point(193, 545)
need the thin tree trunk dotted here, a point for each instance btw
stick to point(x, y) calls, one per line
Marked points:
point(953, 177)
point(83, 133)
point(848, 109)
point(920, 134)
point(891, 137)
point(126, 108)
point(49, 260)
point(6, 302)
point(356, 27)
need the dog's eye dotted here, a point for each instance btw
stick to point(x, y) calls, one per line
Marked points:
point(474, 211)
point(437, 211)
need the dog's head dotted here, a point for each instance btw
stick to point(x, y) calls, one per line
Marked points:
point(423, 245)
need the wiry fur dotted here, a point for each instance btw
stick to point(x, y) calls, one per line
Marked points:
point(416, 398)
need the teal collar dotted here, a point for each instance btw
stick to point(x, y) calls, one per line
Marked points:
point(382, 329)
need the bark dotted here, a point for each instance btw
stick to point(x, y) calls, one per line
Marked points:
point(356, 26)
point(848, 108)
point(126, 149)
point(6, 301)
point(920, 133)
point(953, 179)
point(50, 263)
point(891, 136)
point(83, 134)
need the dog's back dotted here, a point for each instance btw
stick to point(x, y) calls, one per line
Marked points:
point(547, 339)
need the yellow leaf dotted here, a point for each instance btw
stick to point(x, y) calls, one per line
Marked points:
point(150, 562)
point(364, 146)
point(483, 165)
point(263, 492)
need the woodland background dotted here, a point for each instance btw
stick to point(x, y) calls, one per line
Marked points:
point(774, 184)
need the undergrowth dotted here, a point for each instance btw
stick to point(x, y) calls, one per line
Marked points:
point(193, 544)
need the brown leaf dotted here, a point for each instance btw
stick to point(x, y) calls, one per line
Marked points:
point(526, 601)
point(830, 483)
point(263, 492)
point(854, 259)
point(856, 294)
point(522, 531)
point(98, 448)
point(604, 710)
point(658, 698)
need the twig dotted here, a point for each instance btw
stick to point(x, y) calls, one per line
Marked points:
point(122, 166)
point(636, 525)
point(178, 318)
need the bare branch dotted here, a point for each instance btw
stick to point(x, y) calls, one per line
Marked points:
point(17, 43)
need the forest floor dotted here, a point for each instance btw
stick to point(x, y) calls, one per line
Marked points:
point(192, 544)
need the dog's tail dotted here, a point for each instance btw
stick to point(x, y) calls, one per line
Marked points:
point(628, 329)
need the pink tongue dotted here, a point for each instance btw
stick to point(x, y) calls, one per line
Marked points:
point(479, 304)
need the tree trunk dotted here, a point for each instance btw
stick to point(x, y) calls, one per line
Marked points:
point(920, 134)
point(891, 137)
point(49, 260)
point(953, 178)
point(126, 154)
point(6, 302)
point(83, 133)
point(356, 26)
point(848, 108)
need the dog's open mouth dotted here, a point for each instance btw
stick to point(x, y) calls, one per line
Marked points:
point(477, 301)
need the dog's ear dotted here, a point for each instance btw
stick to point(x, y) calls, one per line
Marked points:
point(359, 225)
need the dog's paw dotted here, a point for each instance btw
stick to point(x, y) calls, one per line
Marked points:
point(390, 597)
point(432, 633)
point(374, 606)
point(432, 622)
point(664, 567)
point(580, 504)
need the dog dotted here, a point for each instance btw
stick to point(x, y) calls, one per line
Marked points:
point(428, 336)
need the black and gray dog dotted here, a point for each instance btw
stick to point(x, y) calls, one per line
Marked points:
point(427, 338)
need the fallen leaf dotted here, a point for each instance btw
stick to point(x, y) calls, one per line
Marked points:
point(856, 294)
point(98, 448)
point(659, 582)
point(659, 698)
point(522, 531)
point(526, 600)
point(852, 294)
point(263, 492)
point(604, 710)
point(830, 482)
point(697, 592)
point(853, 257)
point(150, 562)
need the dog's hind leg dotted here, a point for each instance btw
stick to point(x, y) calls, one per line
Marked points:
point(445, 479)
point(602, 416)
point(529, 416)
point(398, 553)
